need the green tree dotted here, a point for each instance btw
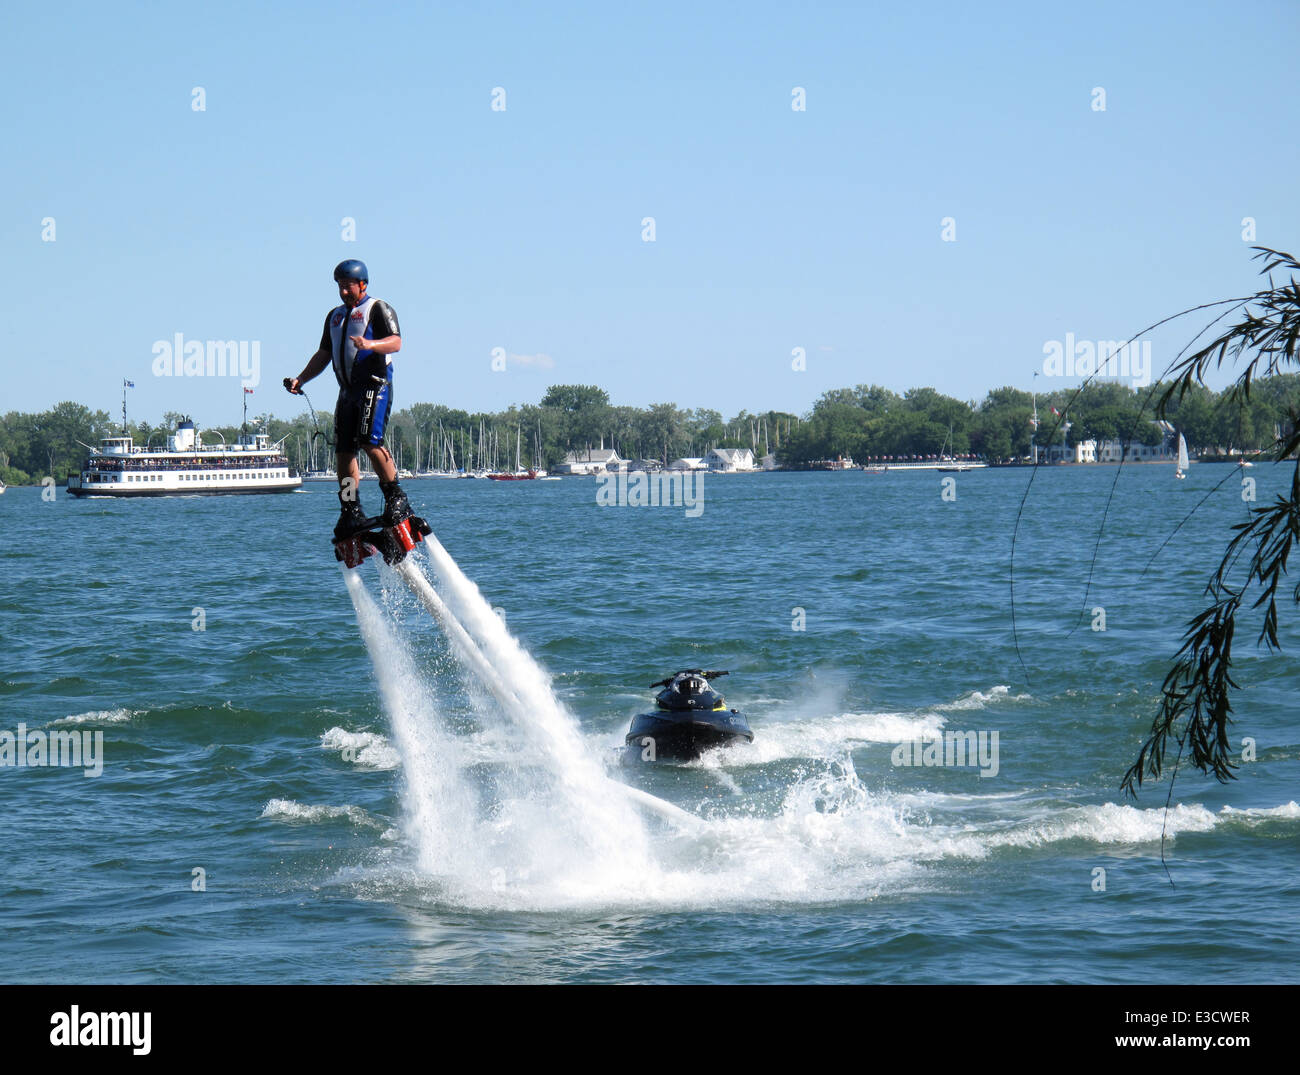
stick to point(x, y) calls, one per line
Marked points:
point(661, 431)
point(58, 438)
point(1194, 416)
point(1003, 425)
point(579, 413)
point(876, 400)
point(575, 397)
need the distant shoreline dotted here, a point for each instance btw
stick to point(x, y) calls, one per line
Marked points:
point(1234, 459)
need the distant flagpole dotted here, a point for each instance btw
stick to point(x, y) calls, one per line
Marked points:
point(1033, 439)
point(125, 385)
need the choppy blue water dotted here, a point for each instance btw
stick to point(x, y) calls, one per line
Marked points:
point(259, 750)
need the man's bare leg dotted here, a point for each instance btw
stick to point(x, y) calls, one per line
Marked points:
point(347, 468)
point(381, 460)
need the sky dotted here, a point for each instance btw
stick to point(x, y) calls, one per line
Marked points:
point(949, 200)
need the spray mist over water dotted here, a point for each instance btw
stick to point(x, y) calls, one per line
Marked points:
point(555, 827)
point(546, 829)
point(436, 794)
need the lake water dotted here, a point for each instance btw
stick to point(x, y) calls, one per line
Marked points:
point(271, 810)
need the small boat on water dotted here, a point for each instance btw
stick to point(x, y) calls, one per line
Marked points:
point(519, 474)
point(1180, 471)
point(690, 717)
point(953, 464)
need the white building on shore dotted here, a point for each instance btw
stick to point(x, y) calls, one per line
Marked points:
point(1083, 452)
point(589, 461)
point(1112, 451)
point(729, 460)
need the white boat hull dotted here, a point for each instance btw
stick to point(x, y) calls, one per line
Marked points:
point(181, 483)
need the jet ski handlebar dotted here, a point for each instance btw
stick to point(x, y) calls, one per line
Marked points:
point(693, 671)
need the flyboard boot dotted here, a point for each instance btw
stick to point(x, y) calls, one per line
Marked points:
point(402, 529)
point(350, 531)
point(392, 534)
point(396, 507)
point(351, 519)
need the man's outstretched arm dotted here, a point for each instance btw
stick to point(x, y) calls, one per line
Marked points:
point(315, 364)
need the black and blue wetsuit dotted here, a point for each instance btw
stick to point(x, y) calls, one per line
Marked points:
point(365, 377)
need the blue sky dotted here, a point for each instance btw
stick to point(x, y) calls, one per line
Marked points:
point(522, 229)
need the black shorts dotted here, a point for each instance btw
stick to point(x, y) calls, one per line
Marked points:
point(361, 415)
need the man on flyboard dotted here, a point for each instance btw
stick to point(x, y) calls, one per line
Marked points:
point(358, 340)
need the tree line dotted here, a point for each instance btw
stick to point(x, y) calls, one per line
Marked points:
point(863, 422)
point(870, 421)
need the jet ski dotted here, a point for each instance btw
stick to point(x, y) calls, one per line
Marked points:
point(690, 718)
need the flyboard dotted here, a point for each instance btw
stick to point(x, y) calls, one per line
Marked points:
point(393, 543)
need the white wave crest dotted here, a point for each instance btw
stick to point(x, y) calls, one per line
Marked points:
point(981, 699)
point(98, 716)
point(826, 738)
point(289, 810)
point(1110, 823)
point(367, 750)
point(1286, 810)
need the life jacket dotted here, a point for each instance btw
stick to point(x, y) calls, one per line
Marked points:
point(344, 324)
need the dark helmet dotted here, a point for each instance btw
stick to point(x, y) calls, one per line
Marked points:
point(352, 269)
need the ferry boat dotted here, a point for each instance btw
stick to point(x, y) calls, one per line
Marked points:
point(185, 467)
